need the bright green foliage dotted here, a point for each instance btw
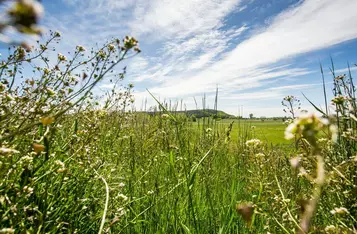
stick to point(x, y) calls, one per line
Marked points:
point(71, 165)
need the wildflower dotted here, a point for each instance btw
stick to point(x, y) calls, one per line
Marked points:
point(9, 98)
point(340, 77)
point(334, 132)
point(253, 143)
point(330, 228)
point(165, 116)
point(121, 185)
point(2, 87)
point(288, 121)
point(121, 211)
point(348, 133)
point(47, 120)
point(122, 197)
point(59, 163)
point(7, 231)
point(150, 192)
point(81, 48)
point(46, 71)
point(340, 210)
point(208, 130)
point(295, 162)
point(253, 127)
point(26, 160)
point(323, 141)
point(50, 92)
point(28, 190)
point(61, 57)
point(111, 47)
point(130, 42)
point(61, 170)
point(38, 148)
point(338, 100)
point(308, 125)
point(57, 34)
point(101, 54)
point(302, 172)
point(8, 151)
point(25, 14)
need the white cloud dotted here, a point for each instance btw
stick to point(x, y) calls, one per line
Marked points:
point(345, 70)
point(179, 18)
point(190, 52)
point(294, 87)
point(309, 26)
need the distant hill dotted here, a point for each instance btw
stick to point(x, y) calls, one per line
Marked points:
point(203, 113)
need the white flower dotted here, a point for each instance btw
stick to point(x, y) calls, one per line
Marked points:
point(334, 133)
point(295, 162)
point(59, 163)
point(61, 57)
point(122, 197)
point(121, 211)
point(7, 230)
point(28, 190)
point(259, 155)
point(81, 48)
point(121, 184)
point(330, 228)
point(8, 151)
point(27, 159)
point(253, 143)
point(150, 192)
point(308, 125)
point(340, 210)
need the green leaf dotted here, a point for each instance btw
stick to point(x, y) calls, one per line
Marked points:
point(318, 109)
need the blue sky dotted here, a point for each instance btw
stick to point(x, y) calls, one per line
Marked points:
point(255, 51)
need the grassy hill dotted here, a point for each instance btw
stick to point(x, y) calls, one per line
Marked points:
point(203, 113)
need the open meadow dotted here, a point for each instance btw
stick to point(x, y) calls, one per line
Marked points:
point(271, 131)
point(77, 157)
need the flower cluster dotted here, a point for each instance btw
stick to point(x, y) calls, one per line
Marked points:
point(61, 165)
point(254, 143)
point(338, 100)
point(339, 210)
point(307, 126)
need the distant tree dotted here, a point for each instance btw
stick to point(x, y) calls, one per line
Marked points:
point(251, 116)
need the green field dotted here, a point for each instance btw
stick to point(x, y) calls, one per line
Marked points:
point(269, 131)
point(69, 164)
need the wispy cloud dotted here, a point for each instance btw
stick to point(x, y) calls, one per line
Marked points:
point(190, 48)
point(180, 19)
point(344, 70)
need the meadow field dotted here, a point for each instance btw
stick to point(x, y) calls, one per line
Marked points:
point(271, 131)
point(72, 164)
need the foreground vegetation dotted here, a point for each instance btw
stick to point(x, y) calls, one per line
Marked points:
point(69, 164)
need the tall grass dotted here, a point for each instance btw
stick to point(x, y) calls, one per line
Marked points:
point(82, 168)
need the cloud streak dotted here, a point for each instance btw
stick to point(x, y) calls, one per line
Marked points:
point(190, 48)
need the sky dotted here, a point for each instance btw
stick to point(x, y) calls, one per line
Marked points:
point(255, 52)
